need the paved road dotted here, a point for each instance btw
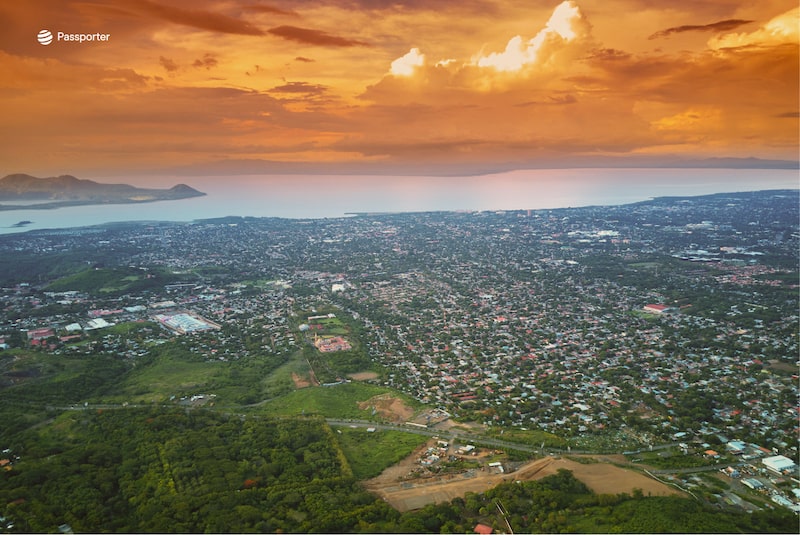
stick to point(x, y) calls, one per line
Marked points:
point(452, 435)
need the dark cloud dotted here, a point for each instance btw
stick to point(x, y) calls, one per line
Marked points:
point(204, 20)
point(483, 7)
point(300, 87)
point(789, 115)
point(313, 37)
point(553, 100)
point(304, 60)
point(271, 9)
point(608, 54)
point(168, 64)
point(721, 26)
point(208, 61)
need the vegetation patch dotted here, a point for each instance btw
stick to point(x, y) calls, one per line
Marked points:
point(105, 281)
point(370, 453)
point(530, 437)
point(160, 471)
point(339, 401)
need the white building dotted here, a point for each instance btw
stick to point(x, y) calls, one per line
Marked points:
point(779, 464)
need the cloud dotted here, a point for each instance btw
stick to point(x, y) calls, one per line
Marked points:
point(195, 18)
point(566, 24)
point(693, 119)
point(271, 9)
point(405, 66)
point(168, 64)
point(552, 100)
point(608, 54)
point(208, 61)
point(301, 59)
point(784, 28)
point(313, 37)
point(299, 87)
point(721, 26)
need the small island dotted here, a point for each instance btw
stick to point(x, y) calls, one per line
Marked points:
point(66, 190)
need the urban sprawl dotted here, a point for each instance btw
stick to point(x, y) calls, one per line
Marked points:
point(615, 328)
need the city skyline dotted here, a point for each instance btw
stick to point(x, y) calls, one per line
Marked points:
point(397, 87)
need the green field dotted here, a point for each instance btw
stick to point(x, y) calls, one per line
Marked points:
point(107, 281)
point(340, 401)
point(369, 454)
point(166, 377)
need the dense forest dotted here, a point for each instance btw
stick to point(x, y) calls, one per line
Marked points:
point(143, 470)
point(196, 470)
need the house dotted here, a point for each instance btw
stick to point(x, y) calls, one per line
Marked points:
point(736, 447)
point(483, 529)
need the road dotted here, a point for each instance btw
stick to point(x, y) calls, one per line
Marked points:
point(452, 435)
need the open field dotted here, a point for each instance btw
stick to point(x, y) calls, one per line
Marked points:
point(600, 477)
point(388, 407)
point(363, 376)
point(369, 453)
point(350, 400)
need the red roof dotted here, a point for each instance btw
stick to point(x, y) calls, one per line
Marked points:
point(483, 529)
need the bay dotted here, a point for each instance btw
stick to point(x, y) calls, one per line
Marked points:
point(331, 196)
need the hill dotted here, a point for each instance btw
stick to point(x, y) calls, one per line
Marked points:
point(67, 190)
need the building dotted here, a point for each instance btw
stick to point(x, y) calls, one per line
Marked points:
point(753, 483)
point(40, 334)
point(334, 343)
point(779, 464)
point(185, 323)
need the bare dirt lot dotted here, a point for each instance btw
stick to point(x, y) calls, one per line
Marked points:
point(406, 495)
point(363, 376)
point(300, 382)
point(389, 407)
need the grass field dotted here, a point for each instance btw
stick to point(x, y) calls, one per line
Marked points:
point(369, 454)
point(280, 381)
point(167, 377)
point(340, 401)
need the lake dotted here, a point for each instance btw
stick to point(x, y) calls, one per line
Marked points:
point(330, 196)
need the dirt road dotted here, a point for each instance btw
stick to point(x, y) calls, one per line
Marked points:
point(602, 478)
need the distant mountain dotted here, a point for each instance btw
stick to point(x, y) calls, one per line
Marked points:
point(66, 190)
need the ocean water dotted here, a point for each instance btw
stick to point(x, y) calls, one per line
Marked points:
point(331, 196)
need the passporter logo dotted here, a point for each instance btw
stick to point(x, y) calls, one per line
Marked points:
point(45, 37)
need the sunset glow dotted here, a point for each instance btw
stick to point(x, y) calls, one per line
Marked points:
point(400, 86)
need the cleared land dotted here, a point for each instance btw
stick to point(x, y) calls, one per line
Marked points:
point(388, 407)
point(602, 478)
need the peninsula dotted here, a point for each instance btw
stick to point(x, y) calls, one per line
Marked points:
point(26, 192)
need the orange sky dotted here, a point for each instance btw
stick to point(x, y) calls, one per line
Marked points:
point(452, 86)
